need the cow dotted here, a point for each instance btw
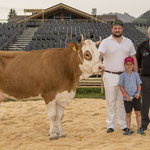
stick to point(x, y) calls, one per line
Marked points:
point(51, 74)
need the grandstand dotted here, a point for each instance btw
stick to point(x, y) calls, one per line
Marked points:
point(57, 26)
point(21, 36)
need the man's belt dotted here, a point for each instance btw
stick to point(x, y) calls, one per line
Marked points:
point(113, 72)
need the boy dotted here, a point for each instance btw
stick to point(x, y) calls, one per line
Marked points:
point(130, 87)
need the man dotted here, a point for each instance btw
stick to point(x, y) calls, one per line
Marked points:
point(114, 49)
point(143, 58)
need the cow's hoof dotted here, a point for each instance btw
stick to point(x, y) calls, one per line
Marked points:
point(54, 136)
point(62, 135)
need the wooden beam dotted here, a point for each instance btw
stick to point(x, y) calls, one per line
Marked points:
point(43, 16)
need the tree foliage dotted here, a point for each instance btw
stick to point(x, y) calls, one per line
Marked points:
point(11, 14)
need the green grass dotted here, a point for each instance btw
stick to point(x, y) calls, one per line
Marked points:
point(89, 93)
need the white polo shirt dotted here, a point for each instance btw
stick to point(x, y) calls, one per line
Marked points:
point(115, 53)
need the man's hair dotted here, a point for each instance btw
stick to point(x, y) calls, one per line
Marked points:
point(148, 30)
point(117, 22)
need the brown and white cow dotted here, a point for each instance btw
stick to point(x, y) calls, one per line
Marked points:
point(51, 74)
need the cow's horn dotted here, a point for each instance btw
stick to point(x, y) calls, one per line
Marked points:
point(98, 42)
point(82, 39)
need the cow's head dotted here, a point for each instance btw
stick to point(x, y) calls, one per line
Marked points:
point(90, 58)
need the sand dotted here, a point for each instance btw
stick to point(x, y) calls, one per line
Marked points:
point(25, 126)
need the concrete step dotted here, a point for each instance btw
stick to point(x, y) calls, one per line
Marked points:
point(27, 35)
point(19, 45)
point(15, 49)
point(24, 38)
point(23, 45)
point(27, 41)
point(22, 42)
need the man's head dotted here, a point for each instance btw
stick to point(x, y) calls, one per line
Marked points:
point(117, 28)
point(129, 63)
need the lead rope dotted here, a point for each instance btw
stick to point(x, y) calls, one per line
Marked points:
point(80, 57)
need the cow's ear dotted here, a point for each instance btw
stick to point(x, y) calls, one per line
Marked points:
point(73, 46)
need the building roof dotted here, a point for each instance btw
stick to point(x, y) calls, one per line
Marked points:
point(17, 18)
point(107, 17)
point(61, 6)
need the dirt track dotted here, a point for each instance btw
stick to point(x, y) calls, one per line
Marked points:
point(25, 126)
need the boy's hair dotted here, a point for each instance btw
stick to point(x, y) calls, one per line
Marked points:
point(129, 59)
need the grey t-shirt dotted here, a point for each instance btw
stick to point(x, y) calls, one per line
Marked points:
point(129, 83)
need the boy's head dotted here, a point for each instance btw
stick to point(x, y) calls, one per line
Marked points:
point(129, 63)
point(129, 59)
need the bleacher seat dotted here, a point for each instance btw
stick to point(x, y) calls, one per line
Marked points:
point(9, 33)
point(58, 34)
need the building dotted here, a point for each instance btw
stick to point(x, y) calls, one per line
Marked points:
point(60, 12)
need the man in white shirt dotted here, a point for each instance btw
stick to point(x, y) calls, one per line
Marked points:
point(114, 49)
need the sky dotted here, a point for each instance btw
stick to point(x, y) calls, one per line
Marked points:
point(133, 7)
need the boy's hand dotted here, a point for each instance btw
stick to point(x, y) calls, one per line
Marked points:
point(128, 98)
point(137, 95)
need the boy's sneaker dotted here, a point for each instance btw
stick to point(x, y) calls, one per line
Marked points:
point(128, 132)
point(141, 131)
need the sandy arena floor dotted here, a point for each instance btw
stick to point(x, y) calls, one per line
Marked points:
point(25, 126)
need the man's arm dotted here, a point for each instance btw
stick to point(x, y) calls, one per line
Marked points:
point(135, 63)
point(138, 56)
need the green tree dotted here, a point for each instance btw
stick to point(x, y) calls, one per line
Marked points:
point(11, 14)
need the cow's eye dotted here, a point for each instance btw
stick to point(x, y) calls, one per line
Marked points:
point(87, 55)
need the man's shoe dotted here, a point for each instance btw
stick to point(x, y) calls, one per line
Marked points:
point(144, 128)
point(124, 129)
point(110, 130)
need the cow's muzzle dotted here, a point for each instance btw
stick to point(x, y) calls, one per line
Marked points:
point(98, 68)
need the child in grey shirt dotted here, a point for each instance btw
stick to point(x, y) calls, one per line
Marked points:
point(130, 87)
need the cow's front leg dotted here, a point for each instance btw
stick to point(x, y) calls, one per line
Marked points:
point(2, 98)
point(52, 112)
point(60, 114)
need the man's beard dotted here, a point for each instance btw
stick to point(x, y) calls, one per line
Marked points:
point(117, 36)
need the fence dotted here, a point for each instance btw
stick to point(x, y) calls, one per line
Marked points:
point(92, 82)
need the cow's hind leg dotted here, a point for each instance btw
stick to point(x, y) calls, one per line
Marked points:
point(52, 112)
point(60, 114)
